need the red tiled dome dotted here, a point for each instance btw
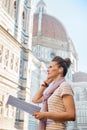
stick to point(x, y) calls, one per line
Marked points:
point(50, 27)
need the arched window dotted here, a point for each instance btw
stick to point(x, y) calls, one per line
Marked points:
point(15, 6)
point(52, 55)
point(23, 20)
point(23, 15)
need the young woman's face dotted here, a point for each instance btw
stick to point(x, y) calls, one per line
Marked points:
point(53, 70)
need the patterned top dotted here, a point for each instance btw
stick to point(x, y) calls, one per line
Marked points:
point(55, 104)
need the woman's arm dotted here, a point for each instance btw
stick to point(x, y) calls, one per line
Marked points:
point(39, 95)
point(68, 115)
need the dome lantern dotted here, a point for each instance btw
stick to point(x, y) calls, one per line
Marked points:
point(41, 7)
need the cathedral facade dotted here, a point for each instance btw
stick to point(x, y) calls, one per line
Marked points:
point(15, 55)
point(50, 38)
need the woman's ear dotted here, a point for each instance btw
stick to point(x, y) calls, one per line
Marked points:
point(60, 70)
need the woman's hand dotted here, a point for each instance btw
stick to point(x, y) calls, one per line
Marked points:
point(48, 80)
point(39, 115)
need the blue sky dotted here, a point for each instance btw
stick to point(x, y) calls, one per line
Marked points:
point(73, 15)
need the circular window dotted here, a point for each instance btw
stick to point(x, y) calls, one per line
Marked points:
point(52, 55)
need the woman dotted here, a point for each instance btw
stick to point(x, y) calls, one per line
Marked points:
point(58, 103)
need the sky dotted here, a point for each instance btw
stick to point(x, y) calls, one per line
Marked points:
point(73, 15)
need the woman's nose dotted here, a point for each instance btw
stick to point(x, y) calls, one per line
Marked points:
point(48, 70)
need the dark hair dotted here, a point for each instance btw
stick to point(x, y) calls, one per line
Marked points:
point(65, 63)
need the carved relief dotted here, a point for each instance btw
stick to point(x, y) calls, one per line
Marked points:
point(1, 104)
point(6, 57)
point(4, 3)
point(1, 51)
point(16, 66)
point(6, 110)
point(11, 61)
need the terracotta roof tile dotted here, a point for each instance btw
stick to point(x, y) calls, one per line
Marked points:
point(51, 27)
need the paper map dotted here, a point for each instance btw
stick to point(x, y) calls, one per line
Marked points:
point(27, 107)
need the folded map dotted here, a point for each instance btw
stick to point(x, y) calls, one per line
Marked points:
point(27, 107)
